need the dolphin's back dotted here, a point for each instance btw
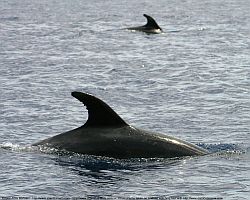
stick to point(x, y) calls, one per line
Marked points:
point(150, 27)
point(106, 134)
point(122, 142)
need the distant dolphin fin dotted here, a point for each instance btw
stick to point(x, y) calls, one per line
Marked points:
point(151, 23)
point(100, 114)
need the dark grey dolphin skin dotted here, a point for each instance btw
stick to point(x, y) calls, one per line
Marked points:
point(106, 134)
point(150, 27)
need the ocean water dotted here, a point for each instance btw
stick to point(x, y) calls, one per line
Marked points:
point(191, 82)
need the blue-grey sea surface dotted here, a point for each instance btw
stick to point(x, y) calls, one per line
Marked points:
point(190, 82)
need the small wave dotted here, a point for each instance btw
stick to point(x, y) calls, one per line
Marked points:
point(174, 31)
point(9, 18)
point(8, 146)
point(222, 148)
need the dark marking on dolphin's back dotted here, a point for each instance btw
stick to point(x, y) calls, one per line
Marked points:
point(100, 114)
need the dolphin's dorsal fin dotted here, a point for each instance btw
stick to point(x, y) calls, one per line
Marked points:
point(151, 23)
point(100, 114)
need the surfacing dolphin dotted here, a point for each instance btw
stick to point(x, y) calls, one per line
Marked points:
point(150, 27)
point(106, 134)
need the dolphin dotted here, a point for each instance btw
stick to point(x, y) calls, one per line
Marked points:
point(150, 27)
point(105, 133)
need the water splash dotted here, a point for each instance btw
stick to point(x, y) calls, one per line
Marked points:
point(14, 147)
